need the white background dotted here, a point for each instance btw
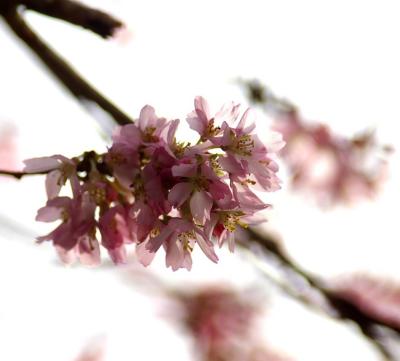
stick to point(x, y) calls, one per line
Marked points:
point(338, 61)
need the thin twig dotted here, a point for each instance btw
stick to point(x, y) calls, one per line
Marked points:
point(18, 175)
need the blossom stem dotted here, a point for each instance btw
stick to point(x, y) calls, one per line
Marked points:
point(79, 87)
point(18, 175)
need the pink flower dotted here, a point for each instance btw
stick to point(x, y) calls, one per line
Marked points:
point(151, 126)
point(179, 238)
point(76, 234)
point(200, 185)
point(117, 229)
point(332, 167)
point(222, 323)
point(123, 156)
point(247, 158)
point(134, 143)
point(59, 169)
point(201, 121)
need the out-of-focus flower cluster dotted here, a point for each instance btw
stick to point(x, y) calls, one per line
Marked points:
point(221, 322)
point(151, 190)
point(377, 297)
point(330, 167)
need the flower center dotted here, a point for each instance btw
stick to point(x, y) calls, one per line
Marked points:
point(212, 131)
point(200, 183)
point(242, 145)
point(216, 167)
point(180, 147)
point(185, 238)
point(98, 195)
point(148, 135)
point(230, 220)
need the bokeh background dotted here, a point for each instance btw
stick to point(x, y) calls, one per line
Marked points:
point(337, 61)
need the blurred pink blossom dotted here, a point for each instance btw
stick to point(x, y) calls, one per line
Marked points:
point(9, 159)
point(223, 324)
point(331, 167)
point(92, 352)
point(377, 297)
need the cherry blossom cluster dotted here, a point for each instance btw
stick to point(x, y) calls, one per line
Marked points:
point(153, 191)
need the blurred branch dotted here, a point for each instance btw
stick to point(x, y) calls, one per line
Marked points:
point(339, 307)
point(79, 87)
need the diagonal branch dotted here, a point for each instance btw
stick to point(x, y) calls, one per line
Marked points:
point(79, 87)
point(76, 13)
point(342, 308)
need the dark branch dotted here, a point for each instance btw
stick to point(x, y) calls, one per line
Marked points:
point(343, 308)
point(72, 12)
point(81, 89)
point(75, 13)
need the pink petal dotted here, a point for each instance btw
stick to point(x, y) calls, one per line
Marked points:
point(177, 257)
point(179, 193)
point(243, 120)
point(53, 185)
point(209, 225)
point(202, 109)
point(118, 255)
point(207, 247)
point(144, 256)
point(184, 170)
point(129, 135)
point(174, 255)
point(42, 164)
point(200, 206)
point(155, 243)
point(228, 113)
point(172, 130)
point(231, 165)
point(89, 251)
point(198, 120)
point(231, 241)
point(66, 256)
point(196, 123)
point(248, 201)
point(147, 117)
point(49, 214)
